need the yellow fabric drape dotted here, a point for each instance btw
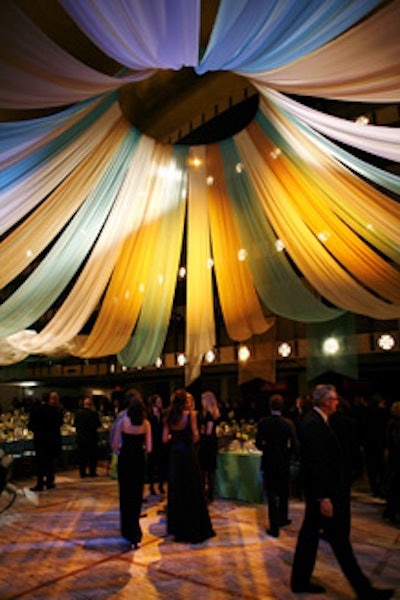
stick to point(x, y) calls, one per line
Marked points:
point(317, 262)
point(123, 299)
point(86, 292)
point(348, 249)
point(373, 215)
point(200, 322)
point(242, 312)
point(147, 341)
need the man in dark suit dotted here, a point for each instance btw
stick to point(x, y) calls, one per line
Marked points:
point(276, 438)
point(327, 504)
point(87, 422)
point(45, 421)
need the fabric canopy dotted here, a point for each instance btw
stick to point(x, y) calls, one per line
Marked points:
point(283, 219)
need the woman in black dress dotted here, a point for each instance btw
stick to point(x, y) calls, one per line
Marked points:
point(208, 447)
point(132, 440)
point(187, 514)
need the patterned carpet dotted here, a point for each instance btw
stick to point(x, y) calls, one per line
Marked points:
point(65, 544)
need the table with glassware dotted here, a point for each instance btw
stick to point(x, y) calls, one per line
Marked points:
point(238, 475)
point(17, 441)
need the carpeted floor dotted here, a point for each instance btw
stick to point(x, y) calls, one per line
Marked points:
point(66, 545)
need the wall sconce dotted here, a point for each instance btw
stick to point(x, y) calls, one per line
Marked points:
point(243, 353)
point(386, 342)
point(181, 360)
point(331, 346)
point(285, 350)
point(210, 357)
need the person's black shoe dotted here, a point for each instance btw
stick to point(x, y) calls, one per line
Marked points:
point(286, 522)
point(308, 588)
point(272, 533)
point(37, 488)
point(377, 594)
point(50, 486)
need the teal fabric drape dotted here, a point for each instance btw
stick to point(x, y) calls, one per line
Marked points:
point(345, 360)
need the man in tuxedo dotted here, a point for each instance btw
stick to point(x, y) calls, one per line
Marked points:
point(327, 504)
point(276, 438)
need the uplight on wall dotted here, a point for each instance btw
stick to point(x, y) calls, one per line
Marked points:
point(331, 346)
point(243, 353)
point(284, 349)
point(386, 342)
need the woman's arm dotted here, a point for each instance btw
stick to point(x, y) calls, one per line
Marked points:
point(148, 436)
point(165, 435)
point(209, 427)
point(193, 423)
point(116, 441)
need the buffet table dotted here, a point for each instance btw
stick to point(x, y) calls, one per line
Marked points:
point(238, 476)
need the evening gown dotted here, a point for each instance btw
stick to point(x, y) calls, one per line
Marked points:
point(187, 513)
point(131, 474)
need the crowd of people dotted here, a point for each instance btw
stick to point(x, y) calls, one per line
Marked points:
point(174, 449)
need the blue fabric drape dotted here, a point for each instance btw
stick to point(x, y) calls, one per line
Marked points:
point(141, 34)
point(252, 36)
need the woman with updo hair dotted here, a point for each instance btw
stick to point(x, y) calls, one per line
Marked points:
point(132, 440)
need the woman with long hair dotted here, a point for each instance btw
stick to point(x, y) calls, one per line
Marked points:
point(187, 514)
point(132, 440)
point(208, 447)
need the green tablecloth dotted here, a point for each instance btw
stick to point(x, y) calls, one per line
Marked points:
point(239, 477)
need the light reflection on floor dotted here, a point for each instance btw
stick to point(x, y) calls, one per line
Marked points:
point(67, 546)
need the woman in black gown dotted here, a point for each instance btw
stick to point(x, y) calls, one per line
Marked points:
point(208, 447)
point(187, 514)
point(132, 440)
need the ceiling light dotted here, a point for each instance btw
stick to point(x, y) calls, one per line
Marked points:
point(242, 254)
point(323, 236)
point(275, 153)
point(279, 245)
point(182, 272)
point(159, 362)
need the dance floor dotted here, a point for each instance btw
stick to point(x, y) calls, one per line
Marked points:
point(65, 544)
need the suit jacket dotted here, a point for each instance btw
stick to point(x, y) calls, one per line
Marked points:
point(276, 438)
point(321, 459)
